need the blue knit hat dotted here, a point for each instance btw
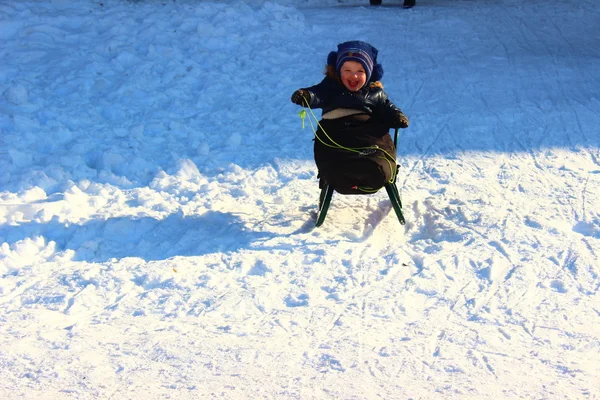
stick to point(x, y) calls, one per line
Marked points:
point(358, 51)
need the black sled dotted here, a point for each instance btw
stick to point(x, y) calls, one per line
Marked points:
point(390, 187)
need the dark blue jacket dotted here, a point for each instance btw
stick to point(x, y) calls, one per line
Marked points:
point(330, 94)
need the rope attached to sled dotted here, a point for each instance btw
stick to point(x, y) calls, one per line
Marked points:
point(302, 114)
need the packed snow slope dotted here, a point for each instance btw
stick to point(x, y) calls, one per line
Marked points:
point(158, 199)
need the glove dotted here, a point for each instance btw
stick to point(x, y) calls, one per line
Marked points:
point(400, 120)
point(300, 97)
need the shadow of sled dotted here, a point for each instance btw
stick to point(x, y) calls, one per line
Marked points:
point(145, 237)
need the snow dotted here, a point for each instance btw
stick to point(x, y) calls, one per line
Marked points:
point(158, 198)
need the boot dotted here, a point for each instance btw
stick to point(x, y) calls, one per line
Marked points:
point(408, 3)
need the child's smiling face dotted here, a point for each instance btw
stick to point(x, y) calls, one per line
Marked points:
point(353, 75)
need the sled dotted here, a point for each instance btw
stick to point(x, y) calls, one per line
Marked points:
point(390, 187)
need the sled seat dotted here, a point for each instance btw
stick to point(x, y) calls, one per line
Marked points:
point(390, 187)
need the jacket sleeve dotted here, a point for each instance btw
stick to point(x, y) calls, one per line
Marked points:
point(320, 93)
point(386, 111)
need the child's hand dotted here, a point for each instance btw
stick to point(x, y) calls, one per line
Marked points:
point(300, 97)
point(400, 120)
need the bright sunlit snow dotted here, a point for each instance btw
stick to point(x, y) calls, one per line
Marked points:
point(158, 198)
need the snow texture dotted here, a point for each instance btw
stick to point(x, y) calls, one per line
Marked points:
point(158, 200)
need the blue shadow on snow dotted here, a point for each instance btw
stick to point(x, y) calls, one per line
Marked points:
point(144, 237)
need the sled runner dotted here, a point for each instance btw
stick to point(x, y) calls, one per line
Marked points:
point(328, 188)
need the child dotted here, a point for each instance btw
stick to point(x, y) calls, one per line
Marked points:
point(353, 149)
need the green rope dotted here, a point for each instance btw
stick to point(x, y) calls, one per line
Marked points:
point(336, 145)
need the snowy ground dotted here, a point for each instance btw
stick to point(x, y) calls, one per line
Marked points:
point(157, 201)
